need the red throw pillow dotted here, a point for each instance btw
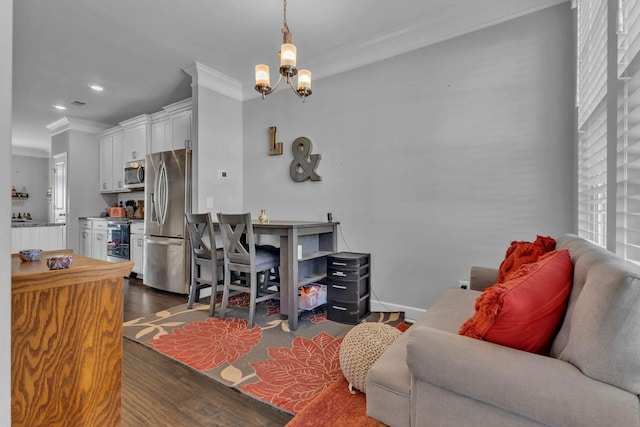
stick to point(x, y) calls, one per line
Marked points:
point(525, 311)
point(520, 253)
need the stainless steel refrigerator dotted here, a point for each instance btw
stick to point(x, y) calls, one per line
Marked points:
point(167, 197)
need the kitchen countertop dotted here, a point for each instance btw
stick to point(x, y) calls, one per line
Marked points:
point(21, 224)
point(106, 218)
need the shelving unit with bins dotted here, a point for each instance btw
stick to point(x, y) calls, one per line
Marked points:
point(348, 287)
point(317, 240)
point(312, 264)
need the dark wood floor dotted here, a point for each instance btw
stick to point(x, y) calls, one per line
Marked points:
point(157, 391)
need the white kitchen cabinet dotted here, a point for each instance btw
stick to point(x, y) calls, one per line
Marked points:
point(136, 133)
point(93, 238)
point(106, 164)
point(171, 127)
point(111, 163)
point(85, 237)
point(161, 135)
point(181, 130)
point(118, 163)
point(16, 244)
point(99, 245)
point(136, 246)
point(47, 238)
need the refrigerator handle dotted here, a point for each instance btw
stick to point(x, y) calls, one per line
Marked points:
point(163, 242)
point(163, 194)
point(165, 177)
point(152, 208)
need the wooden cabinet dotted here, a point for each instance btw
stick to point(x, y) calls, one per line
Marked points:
point(171, 127)
point(348, 284)
point(111, 163)
point(66, 342)
point(136, 246)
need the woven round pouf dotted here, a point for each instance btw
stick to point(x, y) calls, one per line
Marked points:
point(361, 347)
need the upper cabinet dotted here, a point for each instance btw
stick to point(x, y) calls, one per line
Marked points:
point(133, 139)
point(171, 127)
point(111, 166)
point(136, 133)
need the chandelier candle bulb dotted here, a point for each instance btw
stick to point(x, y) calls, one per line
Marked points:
point(288, 55)
point(304, 79)
point(288, 70)
point(262, 74)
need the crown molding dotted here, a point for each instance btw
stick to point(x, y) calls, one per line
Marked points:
point(178, 107)
point(111, 131)
point(29, 152)
point(415, 35)
point(73, 123)
point(142, 119)
point(201, 75)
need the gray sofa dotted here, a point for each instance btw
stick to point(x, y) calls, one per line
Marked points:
point(431, 376)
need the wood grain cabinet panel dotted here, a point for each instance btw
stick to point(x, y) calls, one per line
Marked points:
point(66, 343)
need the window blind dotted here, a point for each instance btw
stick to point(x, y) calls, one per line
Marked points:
point(592, 119)
point(592, 57)
point(628, 134)
point(592, 177)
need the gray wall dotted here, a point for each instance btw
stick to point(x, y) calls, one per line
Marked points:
point(83, 180)
point(434, 160)
point(6, 40)
point(217, 136)
point(32, 173)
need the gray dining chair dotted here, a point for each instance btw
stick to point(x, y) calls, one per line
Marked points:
point(242, 256)
point(203, 254)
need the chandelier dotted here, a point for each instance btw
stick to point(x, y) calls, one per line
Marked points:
point(288, 68)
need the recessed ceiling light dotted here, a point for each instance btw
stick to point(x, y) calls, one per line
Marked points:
point(96, 88)
point(59, 107)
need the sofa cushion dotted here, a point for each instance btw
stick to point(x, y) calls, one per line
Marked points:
point(520, 252)
point(583, 256)
point(388, 383)
point(604, 336)
point(524, 312)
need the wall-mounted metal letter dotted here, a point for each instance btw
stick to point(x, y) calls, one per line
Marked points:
point(304, 164)
point(275, 148)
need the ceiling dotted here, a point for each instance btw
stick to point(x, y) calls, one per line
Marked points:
point(137, 49)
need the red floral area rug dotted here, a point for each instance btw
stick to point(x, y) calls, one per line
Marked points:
point(269, 362)
point(335, 406)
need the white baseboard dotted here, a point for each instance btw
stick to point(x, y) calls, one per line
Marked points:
point(410, 313)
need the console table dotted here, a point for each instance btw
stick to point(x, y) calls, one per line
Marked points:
point(317, 240)
point(66, 342)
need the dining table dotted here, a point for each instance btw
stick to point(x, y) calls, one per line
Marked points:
point(304, 247)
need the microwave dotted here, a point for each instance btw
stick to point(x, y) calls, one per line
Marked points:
point(134, 174)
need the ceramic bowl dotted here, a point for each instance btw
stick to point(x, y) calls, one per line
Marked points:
point(59, 262)
point(30, 255)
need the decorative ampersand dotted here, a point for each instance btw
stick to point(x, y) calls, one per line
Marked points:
point(303, 166)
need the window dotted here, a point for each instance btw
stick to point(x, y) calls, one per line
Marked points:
point(595, 44)
point(628, 132)
point(592, 119)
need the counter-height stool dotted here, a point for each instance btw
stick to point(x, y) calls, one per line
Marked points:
point(242, 256)
point(203, 254)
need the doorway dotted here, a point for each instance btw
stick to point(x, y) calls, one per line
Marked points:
point(60, 187)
